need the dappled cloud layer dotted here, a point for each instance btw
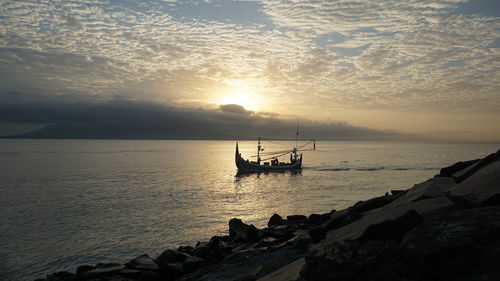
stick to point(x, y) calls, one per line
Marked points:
point(381, 64)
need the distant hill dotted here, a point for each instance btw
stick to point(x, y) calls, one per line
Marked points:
point(140, 120)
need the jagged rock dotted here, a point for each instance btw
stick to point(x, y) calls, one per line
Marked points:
point(102, 270)
point(130, 273)
point(278, 259)
point(209, 251)
point(296, 219)
point(191, 264)
point(480, 189)
point(82, 269)
point(239, 256)
point(62, 276)
point(456, 228)
point(478, 166)
point(150, 275)
point(185, 249)
point(282, 232)
point(317, 233)
point(421, 197)
point(459, 245)
point(337, 220)
point(275, 220)
point(241, 231)
point(201, 249)
point(267, 242)
point(315, 219)
point(375, 260)
point(172, 271)
point(356, 228)
point(432, 188)
point(215, 241)
point(392, 229)
point(289, 272)
point(340, 219)
point(171, 256)
point(459, 166)
point(251, 264)
point(143, 262)
point(300, 240)
point(398, 191)
point(377, 202)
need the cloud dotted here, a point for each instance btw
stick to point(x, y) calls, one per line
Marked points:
point(140, 120)
point(72, 22)
point(326, 56)
point(234, 108)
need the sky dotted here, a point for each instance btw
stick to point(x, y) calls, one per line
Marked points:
point(383, 69)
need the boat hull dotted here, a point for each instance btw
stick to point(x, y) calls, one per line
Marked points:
point(252, 167)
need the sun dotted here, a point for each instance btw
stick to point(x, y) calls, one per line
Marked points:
point(243, 95)
point(247, 100)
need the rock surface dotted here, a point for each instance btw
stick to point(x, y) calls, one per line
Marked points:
point(446, 228)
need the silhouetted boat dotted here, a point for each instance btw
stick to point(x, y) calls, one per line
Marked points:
point(274, 165)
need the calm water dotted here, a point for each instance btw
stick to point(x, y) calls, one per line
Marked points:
point(70, 202)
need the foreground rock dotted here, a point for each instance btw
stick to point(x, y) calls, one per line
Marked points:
point(446, 228)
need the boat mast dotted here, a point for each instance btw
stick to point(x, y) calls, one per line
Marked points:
point(258, 151)
point(296, 136)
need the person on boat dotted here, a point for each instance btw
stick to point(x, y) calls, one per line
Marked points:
point(274, 162)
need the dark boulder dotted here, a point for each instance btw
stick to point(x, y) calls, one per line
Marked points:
point(374, 203)
point(215, 241)
point(191, 264)
point(171, 256)
point(62, 276)
point(149, 275)
point(282, 232)
point(130, 273)
point(398, 191)
point(275, 220)
point(494, 200)
point(241, 231)
point(209, 251)
point(143, 262)
point(422, 197)
point(185, 249)
point(479, 190)
point(315, 219)
point(296, 219)
point(267, 242)
point(82, 269)
point(317, 233)
point(102, 270)
point(375, 260)
point(172, 271)
point(392, 229)
point(478, 166)
point(457, 167)
point(342, 218)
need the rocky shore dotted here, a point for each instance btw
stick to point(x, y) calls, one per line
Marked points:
point(446, 228)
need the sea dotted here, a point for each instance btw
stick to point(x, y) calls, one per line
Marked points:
point(65, 203)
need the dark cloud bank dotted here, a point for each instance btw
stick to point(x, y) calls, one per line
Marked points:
point(121, 119)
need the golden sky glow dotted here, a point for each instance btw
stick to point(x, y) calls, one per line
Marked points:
point(423, 67)
point(242, 93)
